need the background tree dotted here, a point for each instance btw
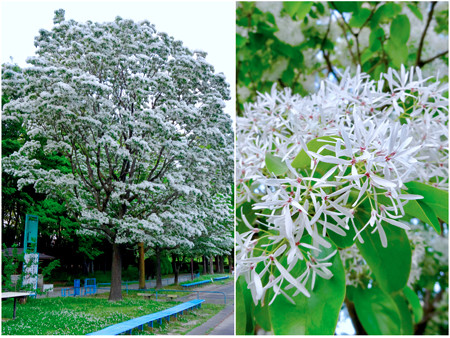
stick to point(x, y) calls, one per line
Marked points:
point(129, 108)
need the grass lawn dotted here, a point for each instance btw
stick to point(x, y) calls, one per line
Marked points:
point(79, 316)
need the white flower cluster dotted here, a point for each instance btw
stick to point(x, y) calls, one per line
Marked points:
point(367, 138)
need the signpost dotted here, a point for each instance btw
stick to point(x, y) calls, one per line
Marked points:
point(31, 257)
point(31, 234)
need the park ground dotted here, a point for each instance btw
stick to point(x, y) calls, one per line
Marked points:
point(57, 315)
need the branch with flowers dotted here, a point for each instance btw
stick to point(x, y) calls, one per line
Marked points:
point(326, 187)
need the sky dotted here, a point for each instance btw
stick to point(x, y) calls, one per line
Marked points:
point(204, 25)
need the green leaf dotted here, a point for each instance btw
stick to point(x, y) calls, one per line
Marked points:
point(303, 161)
point(296, 9)
point(275, 165)
point(245, 209)
point(347, 6)
point(414, 301)
point(431, 216)
point(341, 241)
point(317, 314)
point(390, 265)
point(400, 29)
point(420, 210)
point(262, 316)
point(288, 76)
point(374, 39)
point(244, 318)
point(397, 52)
point(376, 311)
point(240, 41)
point(359, 18)
point(416, 11)
point(435, 198)
point(406, 318)
point(320, 8)
point(385, 12)
point(366, 54)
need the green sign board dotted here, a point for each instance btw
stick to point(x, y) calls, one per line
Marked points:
point(31, 234)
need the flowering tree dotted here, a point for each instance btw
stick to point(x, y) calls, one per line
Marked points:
point(343, 169)
point(139, 117)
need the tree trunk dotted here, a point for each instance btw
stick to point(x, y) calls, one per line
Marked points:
point(192, 268)
point(204, 265)
point(175, 269)
point(158, 269)
point(230, 262)
point(211, 265)
point(217, 263)
point(221, 267)
point(141, 249)
point(116, 274)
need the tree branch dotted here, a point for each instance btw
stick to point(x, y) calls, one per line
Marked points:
point(423, 63)
point(422, 38)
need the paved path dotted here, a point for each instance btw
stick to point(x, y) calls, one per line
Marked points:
point(223, 322)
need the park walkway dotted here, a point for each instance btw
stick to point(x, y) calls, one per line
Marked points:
point(223, 322)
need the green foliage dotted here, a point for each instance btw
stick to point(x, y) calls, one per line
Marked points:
point(317, 314)
point(10, 265)
point(377, 311)
point(390, 265)
point(263, 58)
point(244, 319)
point(435, 198)
point(414, 301)
point(47, 271)
point(275, 165)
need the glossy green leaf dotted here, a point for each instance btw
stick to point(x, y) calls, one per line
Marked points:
point(275, 165)
point(245, 209)
point(303, 161)
point(297, 9)
point(339, 240)
point(414, 301)
point(376, 311)
point(406, 317)
point(262, 316)
point(435, 198)
point(420, 210)
point(431, 216)
point(375, 38)
point(416, 11)
point(359, 18)
point(391, 265)
point(317, 314)
point(244, 318)
point(367, 54)
point(400, 29)
point(346, 6)
point(397, 52)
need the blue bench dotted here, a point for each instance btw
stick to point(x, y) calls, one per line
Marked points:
point(196, 283)
point(139, 322)
point(220, 278)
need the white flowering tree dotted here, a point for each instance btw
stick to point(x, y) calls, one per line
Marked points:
point(138, 115)
point(326, 187)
